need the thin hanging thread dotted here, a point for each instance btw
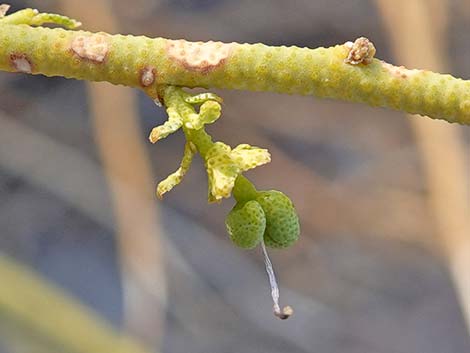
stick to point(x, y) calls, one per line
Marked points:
point(287, 311)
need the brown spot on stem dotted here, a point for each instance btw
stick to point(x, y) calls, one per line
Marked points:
point(147, 76)
point(199, 56)
point(362, 51)
point(399, 71)
point(21, 63)
point(92, 47)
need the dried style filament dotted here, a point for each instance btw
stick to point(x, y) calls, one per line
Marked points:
point(286, 311)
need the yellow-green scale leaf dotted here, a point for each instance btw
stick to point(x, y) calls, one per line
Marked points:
point(221, 170)
point(170, 126)
point(248, 157)
point(175, 178)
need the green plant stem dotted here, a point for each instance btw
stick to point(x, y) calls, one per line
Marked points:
point(146, 63)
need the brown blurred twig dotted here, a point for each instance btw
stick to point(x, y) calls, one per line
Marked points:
point(139, 235)
point(417, 30)
point(41, 308)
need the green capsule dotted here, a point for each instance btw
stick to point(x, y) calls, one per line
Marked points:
point(246, 224)
point(282, 222)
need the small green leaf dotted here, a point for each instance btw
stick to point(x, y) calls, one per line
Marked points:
point(210, 111)
point(60, 20)
point(202, 97)
point(34, 18)
point(170, 126)
point(221, 170)
point(175, 178)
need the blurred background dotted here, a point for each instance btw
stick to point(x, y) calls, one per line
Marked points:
point(91, 261)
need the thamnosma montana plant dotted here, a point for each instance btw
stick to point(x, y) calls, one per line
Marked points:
point(162, 68)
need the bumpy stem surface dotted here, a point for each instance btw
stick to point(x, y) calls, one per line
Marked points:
point(348, 72)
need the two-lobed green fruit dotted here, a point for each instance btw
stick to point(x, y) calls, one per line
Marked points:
point(270, 216)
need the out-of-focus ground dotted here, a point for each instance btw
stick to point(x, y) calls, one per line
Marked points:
point(369, 273)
